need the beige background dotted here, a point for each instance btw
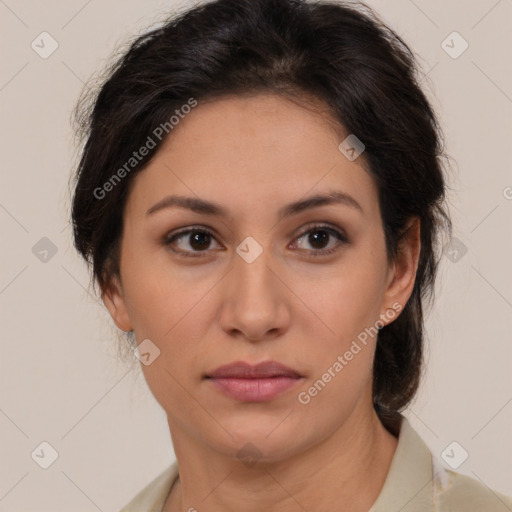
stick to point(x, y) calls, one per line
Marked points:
point(60, 379)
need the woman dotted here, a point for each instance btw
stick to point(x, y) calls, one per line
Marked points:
point(261, 196)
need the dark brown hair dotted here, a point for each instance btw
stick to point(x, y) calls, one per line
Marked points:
point(338, 53)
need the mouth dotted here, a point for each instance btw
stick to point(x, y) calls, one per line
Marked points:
point(254, 383)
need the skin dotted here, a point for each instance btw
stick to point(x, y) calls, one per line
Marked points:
point(253, 155)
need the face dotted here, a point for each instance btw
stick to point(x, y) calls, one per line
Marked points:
point(255, 280)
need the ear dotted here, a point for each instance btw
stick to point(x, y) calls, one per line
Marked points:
point(402, 272)
point(113, 298)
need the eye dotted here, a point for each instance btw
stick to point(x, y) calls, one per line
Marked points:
point(319, 237)
point(199, 239)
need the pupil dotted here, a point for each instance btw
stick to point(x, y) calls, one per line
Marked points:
point(314, 238)
point(200, 240)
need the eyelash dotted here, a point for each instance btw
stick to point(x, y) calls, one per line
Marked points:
point(169, 239)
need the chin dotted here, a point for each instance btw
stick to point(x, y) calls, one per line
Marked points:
point(267, 440)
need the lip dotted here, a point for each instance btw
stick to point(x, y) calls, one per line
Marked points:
point(243, 370)
point(254, 383)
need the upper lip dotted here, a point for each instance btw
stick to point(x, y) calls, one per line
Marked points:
point(243, 370)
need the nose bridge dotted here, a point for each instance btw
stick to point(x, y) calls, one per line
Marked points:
point(253, 299)
point(253, 271)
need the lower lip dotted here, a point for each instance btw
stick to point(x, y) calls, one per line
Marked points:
point(254, 390)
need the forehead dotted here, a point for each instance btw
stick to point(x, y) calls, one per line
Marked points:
point(256, 125)
point(252, 151)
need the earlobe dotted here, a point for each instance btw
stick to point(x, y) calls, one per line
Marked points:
point(113, 298)
point(403, 270)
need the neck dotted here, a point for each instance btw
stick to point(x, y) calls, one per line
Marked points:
point(348, 467)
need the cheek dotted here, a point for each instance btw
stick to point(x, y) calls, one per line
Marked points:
point(347, 300)
point(173, 315)
point(155, 296)
point(346, 304)
point(347, 307)
point(171, 307)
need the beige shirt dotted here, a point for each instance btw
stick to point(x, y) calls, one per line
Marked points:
point(416, 482)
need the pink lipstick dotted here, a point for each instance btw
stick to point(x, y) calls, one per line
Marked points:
point(254, 383)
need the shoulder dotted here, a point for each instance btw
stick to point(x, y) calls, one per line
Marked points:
point(152, 497)
point(455, 491)
point(418, 481)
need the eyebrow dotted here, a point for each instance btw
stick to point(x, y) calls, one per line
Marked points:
point(205, 207)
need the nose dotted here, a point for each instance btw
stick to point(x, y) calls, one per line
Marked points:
point(255, 300)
